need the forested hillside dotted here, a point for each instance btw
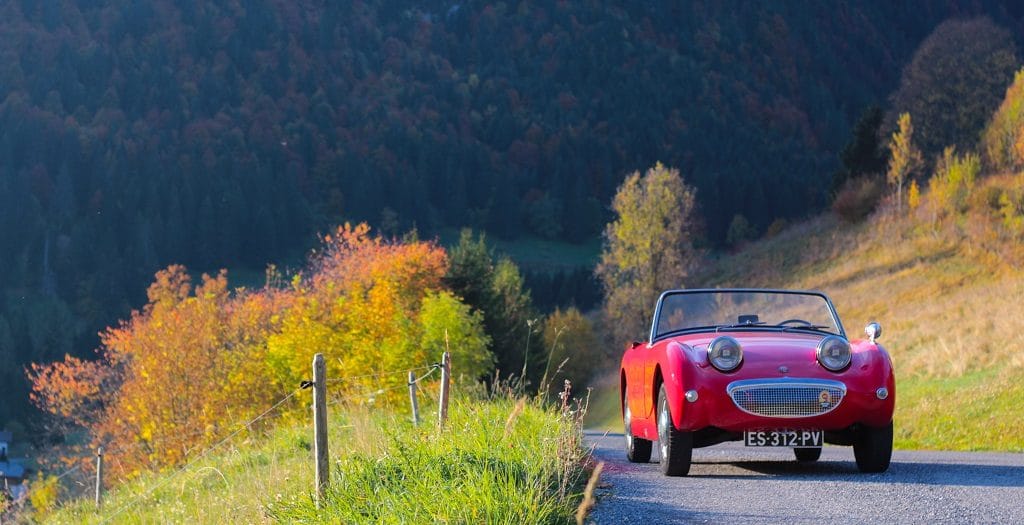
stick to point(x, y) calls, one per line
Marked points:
point(136, 134)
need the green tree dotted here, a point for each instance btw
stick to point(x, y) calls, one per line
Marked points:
point(495, 288)
point(739, 232)
point(904, 158)
point(450, 325)
point(863, 154)
point(954, 82)
point(647, 247)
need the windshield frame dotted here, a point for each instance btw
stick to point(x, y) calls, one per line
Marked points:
point(661, 299)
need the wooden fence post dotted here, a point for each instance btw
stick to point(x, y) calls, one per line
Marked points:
point(412, 400)
point(99, 477)
point(320, 427)
point(446, 378)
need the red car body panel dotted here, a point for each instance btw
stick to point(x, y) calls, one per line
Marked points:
point(681, 363)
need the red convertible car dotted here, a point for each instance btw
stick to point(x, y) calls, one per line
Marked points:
point(769, 367)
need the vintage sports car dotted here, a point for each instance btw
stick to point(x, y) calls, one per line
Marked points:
point(768, 367)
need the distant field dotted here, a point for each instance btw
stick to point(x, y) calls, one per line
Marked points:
point(536, 254)
point(950, 315)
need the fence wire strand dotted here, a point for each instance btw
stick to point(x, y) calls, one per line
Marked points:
point(433, 368)
point(365, 395)
point(374, 393)
point(379, 374)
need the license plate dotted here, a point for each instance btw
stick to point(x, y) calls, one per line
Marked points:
point(783, 438)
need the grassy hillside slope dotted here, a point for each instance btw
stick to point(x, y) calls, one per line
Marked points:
point(949, 309)
point(498, 461)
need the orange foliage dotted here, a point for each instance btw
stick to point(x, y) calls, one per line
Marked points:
point(360, 308)
point(174, 375)
point(199, 360)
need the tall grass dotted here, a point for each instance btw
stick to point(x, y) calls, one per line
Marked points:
point(496, 462)
point(499, 460)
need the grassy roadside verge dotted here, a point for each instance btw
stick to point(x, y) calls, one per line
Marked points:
point(497, 461)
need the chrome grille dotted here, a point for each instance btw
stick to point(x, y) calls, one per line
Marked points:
point(787, 397)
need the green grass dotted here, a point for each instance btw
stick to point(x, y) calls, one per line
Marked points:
point(383, 471)
point(977, 411)
point(605, 413)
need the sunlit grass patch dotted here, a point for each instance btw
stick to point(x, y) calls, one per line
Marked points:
point(473, 472)
point(495, 462)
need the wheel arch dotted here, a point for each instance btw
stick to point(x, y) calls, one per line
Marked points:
point(672, 372)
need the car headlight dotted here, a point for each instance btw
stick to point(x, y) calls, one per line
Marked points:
point(725, 353)
point(834, 353)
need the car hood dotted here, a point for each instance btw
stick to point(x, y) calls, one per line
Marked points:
point(764, 352)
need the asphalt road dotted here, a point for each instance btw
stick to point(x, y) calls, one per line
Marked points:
point(729, 483)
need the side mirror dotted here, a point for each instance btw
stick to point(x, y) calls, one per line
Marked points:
point(873, 330)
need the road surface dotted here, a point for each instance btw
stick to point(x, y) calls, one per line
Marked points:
point(729, 483)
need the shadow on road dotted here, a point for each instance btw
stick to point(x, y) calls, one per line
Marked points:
point(921, 471)
point(899, 472)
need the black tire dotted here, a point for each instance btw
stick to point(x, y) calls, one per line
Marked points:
point(873, 449)
point(637, 450)
point(807, 454)
point(676, 445)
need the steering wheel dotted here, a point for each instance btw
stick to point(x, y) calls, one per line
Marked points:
point(800, 321)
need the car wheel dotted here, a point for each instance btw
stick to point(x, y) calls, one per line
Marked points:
point(638, 450)
point(807, 454)
point(676, 445)
point(873, 449)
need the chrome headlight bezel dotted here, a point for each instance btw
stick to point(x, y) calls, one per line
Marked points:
point(828, 358)
point(732, 349)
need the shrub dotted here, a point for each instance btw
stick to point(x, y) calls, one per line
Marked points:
point(857, 199)
point(569, 337)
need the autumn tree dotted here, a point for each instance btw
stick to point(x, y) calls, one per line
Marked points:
point(952, 182)
point(1003, 139)
point(200, 359)
point(180, 370)
point(954, 82)
point(373, 306)
point(904, 158)
point(573, 351)
point(647, 247)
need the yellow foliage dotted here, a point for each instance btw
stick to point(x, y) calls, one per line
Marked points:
point(1003, 139)
point(913, 196)
point(42, 494)
point(953, 181)
point(573, 350)
point(904, 158)
point(647, 247)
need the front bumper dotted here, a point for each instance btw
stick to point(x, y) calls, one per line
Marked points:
point(791, 403)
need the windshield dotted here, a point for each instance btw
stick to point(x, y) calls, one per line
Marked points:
point(717, 309)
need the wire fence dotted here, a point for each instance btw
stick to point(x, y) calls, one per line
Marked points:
point(367, 395)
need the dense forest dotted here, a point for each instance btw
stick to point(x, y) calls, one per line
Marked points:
point(135, 134)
